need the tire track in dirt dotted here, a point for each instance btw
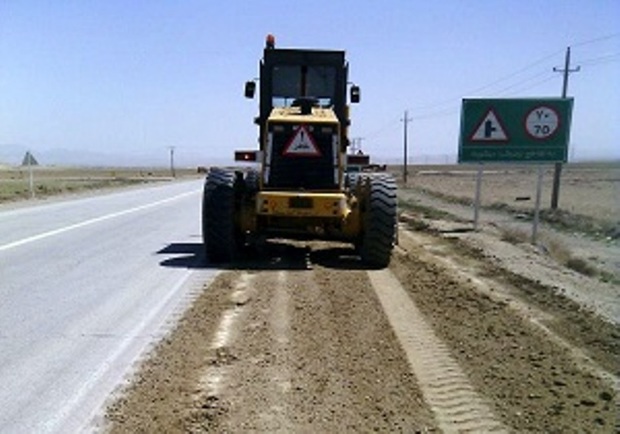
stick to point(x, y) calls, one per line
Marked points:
point(298, 341)
point(216, 374)
point(257, 376)
point(312, 352)
point(533, 383)
point(499, 292)
point(455, 403)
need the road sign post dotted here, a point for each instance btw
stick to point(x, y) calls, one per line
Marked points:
point(477, 199)
point(517, 130)
point(30, 178)
point(537, 206)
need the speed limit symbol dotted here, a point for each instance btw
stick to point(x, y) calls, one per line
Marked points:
point(542, 122)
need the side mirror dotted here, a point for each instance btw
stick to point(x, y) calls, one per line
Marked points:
point(250, 89)
point(355, 94)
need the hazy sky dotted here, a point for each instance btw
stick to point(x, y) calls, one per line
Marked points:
point(130, 78)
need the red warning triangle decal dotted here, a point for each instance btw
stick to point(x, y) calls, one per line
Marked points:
point(302, 144)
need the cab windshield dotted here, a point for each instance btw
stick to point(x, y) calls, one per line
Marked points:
point(291, 82)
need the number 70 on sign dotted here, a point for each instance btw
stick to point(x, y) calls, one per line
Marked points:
point(542, 122)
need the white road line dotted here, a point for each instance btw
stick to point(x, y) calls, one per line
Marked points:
point(446, 388)
point(55, 424)
point(92, 221)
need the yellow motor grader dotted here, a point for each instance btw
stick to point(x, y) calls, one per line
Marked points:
point(301, 188)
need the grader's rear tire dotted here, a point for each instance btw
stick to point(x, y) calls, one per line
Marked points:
point(379, 220)
point(218, 216)
point(251, 181)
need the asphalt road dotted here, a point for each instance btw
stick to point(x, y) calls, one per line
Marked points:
point(86, 285)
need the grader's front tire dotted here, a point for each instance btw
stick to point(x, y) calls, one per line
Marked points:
point(218, 216)
point(379, 221)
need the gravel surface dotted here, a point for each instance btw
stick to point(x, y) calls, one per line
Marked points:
point(296, 343)
point(299, 342)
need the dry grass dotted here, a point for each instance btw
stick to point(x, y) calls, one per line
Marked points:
point(554, 248)
point(588, 201)
point(581, 266)
point(564, 256)
point(50, 181)
point(427, 212)
point(513, 235)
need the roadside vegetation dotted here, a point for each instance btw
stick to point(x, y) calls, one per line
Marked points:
point(417, 217)
point(558, 219)
point(52, 181)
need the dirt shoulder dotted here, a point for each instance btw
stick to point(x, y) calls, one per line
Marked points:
point(584, 269)
point(537, 381)
point(297, 341)
point(287, 344)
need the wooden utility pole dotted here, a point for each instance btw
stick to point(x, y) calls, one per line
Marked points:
point(173, 174)
point(405, 120)
point(555, 193)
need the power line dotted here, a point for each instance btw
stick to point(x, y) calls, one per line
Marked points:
point(491, 84)
point(521, 82)
point(378, 131)
point(531, 86)
point(453, 104)
point(525, 68)
point(506, 77)
point(440, 113)
point(598, 39)
point(456, 107)
point(608, 58)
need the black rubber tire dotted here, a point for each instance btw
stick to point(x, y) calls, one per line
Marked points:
point(379, 220)
point(350, 180)
point(251, 181)
point(218, 216)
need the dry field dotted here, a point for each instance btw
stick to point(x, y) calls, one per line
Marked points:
point(587, 190)
point(49, 181)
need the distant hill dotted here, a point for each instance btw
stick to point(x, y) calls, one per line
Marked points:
point(13, 155)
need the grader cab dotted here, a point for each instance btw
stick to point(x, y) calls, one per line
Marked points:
point(300, 189)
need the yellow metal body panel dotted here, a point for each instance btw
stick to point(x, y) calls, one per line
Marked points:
point(293, 114)
point(278, 203)
point(334, 216)
point(322, 214)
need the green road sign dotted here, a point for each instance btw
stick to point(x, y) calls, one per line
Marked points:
point(515, 130)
